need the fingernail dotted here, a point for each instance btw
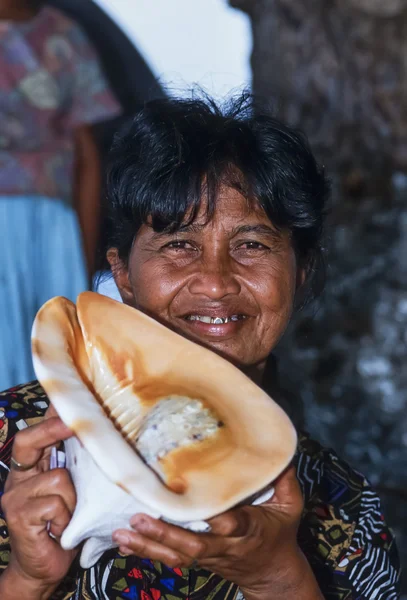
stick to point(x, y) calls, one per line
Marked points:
point(139, 522)
point(121, 538)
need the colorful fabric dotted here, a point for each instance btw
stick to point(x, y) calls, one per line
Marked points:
point(50, 83)
point(41, 257)
point(343, 532)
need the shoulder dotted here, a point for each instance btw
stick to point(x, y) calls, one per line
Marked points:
point(25, 396)
point(20, 407)
point(343, 531)
point(333, 494)
point(53, 23)
point(323, 475)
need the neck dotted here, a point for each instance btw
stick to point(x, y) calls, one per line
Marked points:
point(256, 373)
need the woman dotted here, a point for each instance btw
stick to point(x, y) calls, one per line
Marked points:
point(214, 215)
point(52, 90)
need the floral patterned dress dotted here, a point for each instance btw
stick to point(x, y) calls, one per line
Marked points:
point(343, 532)
point(51, 82)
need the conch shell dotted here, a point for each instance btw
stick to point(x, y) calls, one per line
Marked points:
point(162, 425)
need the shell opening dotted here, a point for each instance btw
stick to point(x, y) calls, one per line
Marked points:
point(173, 422)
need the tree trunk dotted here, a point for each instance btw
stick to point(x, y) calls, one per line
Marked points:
point(337, 69)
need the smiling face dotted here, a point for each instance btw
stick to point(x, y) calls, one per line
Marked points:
point(228, 283)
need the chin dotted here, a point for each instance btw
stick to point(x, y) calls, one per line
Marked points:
point(233, 353)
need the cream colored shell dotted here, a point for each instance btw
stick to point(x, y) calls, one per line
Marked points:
point(104, 365)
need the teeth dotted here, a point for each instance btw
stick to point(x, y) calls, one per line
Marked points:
point(215, 320)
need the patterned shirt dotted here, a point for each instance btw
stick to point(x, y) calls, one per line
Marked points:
point(50, 83)
point(343, 533)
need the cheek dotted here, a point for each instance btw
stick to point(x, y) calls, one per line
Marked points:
point(274, 288)
point(153, 286)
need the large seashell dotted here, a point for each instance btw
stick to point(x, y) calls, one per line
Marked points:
point(165, 426)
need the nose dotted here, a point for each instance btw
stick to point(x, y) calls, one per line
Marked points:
point(214, 278)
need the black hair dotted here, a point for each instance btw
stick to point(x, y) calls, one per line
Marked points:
point(177, 151)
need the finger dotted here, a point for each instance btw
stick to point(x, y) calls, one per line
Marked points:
point(29, 444)
point(51, 412)
point(178, 539)
point(131, 542)
point(234, 523)
point(32, 518)
point(287, 487)
point(196, 546)
point(55, 482)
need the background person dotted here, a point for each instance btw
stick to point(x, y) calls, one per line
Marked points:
point(52, 90)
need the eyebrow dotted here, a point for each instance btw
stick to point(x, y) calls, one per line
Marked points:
point(259, 229)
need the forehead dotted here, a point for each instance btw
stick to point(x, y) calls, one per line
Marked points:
point(231, 207)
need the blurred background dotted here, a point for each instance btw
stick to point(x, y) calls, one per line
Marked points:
point(338, 71)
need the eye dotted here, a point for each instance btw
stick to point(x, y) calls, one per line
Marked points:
point(251, 245)
point(179, 245)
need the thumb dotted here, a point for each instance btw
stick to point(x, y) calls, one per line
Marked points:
point(51, 412)
point(288, 490)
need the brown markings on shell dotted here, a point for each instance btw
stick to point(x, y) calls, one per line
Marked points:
point(82, 427)
point(36, 348)
point(197, 456)
point(122, 487)
point(129, 370)
point(126, 363)
point(128, 367)
point(64, 312)
point(150, 389)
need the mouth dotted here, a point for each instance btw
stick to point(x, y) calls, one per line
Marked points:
point(218, 325)
point(216, 320)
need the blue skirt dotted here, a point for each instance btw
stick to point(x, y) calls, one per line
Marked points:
point(40, 257)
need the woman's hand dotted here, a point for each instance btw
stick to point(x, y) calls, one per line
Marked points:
point(32, 499)
point(252, 546)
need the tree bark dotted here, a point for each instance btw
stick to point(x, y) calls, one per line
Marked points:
point(337, 69)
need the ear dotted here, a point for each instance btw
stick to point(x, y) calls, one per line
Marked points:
point(121, 275)
point(301, 276)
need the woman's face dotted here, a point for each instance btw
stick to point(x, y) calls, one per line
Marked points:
point(236, 269)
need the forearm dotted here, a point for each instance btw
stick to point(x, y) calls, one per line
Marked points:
point(293, 580)
point(13, 585)
point(88, 193)
point(88, 210)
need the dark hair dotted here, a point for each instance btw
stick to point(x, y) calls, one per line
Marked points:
point(176, 151)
